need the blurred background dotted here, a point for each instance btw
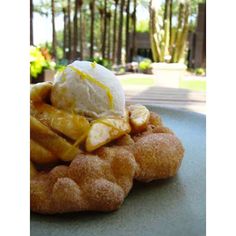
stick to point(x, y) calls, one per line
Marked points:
point(157, 48)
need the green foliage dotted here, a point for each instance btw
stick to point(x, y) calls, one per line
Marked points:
point(121, 70)
point(143, 26)
point(39, 61)
point(194, 6)
point(60, 67)
point(59, 48)
point(101, 61)
point(145, 65)
point(200, 71)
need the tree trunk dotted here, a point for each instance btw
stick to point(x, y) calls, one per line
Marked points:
point(92, 5)
point(155, 44)
point(120, 33)
point(178, 32)
point(127, 32)
point(64, 32)
point(109, 36)
point(84, 40)
point(114, 49)
point(31, 23)
point(53, 30)
point(75, 31)
point(134, 31)
point(69, 30)
point(101, 12)
point(81, 32)
point(183, 36)
point(105, 30)
point(166, 38)
point(171, 10)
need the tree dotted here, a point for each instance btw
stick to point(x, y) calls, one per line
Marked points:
point(53, 30)
point(92, 10)
point(154, 24)
point(80, 2)
point(166, 27)
point(127, 31)
point(168, 46)
point(101, 14)
point(69, 28)
point(64, 31)
point(134, 30)
point(171, 10)
point(114, 48)
point(104, 30)
point(31, 23)
point(120, 33)
point(108, 35)
point(75, 31)
point(181, 40)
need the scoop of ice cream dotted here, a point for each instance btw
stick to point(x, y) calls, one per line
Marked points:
point(88, 88)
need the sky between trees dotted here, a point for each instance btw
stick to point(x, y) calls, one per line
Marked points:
point(43, 28)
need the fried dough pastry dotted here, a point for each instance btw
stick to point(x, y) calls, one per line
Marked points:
point(90, 182)
point(98, 174)
point(101, 181)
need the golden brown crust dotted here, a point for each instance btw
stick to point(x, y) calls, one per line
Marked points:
point(90, 183)
point(158, 156)
point(101, 181)
point(155, 119)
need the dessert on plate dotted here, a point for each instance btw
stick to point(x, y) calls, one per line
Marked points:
point(87, 145)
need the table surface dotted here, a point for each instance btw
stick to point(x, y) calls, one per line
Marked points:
point(178, 98)
point(165, 208)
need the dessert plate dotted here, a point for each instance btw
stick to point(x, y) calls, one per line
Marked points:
point(169, 207)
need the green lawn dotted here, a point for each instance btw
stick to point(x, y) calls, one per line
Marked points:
point(197, 85)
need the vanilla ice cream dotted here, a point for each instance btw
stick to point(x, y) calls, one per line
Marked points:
point(89, 89)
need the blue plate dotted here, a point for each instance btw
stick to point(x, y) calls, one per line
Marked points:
point(173, 207)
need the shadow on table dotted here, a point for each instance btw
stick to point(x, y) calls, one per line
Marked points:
point(169, 97)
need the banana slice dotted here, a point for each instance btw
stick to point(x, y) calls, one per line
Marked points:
point(139, 117)
point(33, 171)
point(105, 130)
